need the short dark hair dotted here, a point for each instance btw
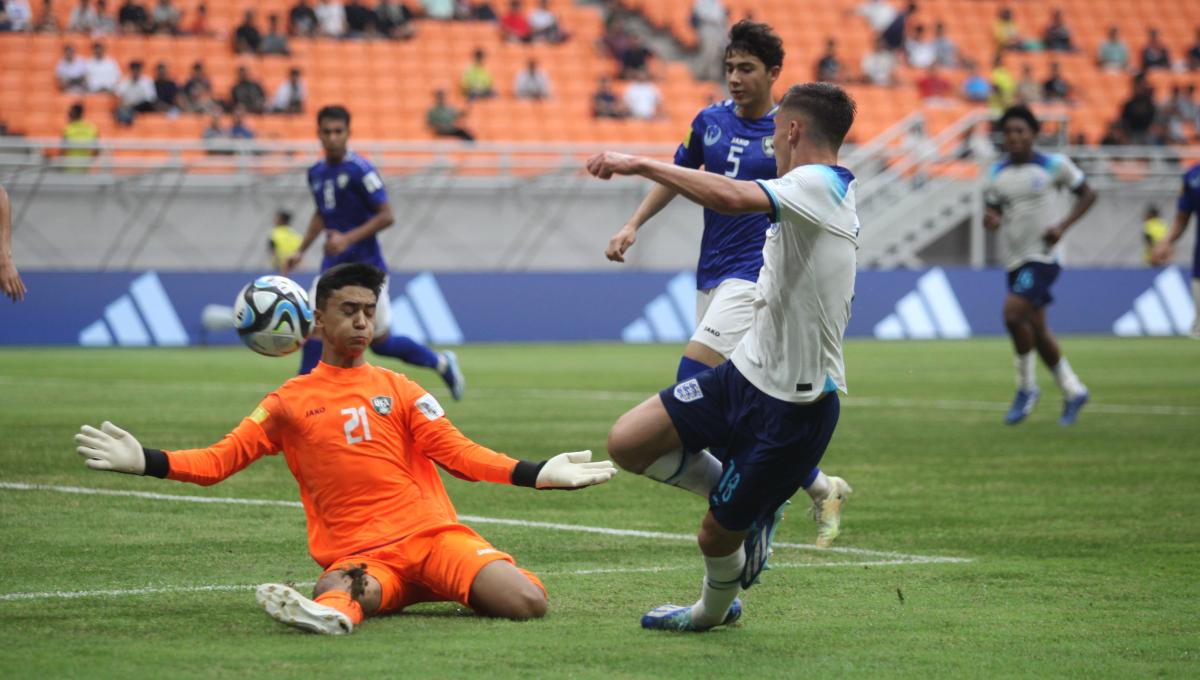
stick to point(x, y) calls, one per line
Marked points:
point(757, 40)
point(350, 274)
point(1020, 112)
point(827, 108)
point(334, 112)
point(283, 216)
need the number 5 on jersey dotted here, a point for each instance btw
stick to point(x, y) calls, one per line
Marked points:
point(735, 159)
point(355, 418)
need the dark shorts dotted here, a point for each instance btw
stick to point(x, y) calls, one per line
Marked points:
point(768, 446)
point(1032, 281)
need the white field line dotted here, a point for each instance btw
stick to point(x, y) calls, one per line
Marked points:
point(593, 395)
point(578, 528)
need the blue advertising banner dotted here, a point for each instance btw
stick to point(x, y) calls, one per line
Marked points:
point(136, 309)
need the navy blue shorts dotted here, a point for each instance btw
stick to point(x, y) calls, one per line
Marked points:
point(1032, 281)
point(768, 446)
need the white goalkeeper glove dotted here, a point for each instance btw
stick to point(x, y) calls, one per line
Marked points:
point(573, 470)
point(110, 448)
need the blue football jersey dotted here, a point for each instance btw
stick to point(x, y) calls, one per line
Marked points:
point(1189, 202)
point(726, 144)
point(347, 195)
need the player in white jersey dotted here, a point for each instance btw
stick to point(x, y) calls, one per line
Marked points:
point(774, 406)
point(1020, 196)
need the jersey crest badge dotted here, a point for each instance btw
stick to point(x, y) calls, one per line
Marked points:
point(342, 180)
point(382, 405)
point(768, 144)
point(429, 407)
point(712, 134)
point(688, 391)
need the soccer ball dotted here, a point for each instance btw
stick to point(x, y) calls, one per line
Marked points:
point(272, 315)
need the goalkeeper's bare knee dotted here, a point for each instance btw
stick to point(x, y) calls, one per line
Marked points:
point(353, 579)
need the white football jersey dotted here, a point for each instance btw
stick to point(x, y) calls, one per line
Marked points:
point(1025, 193)
point(793, 350)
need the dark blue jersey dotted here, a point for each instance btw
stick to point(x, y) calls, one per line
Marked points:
point(736, 147)
point(1189, 202)
point(347, 195)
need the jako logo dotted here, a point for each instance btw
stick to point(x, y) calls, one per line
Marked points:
point(930, 311)
point(143, 317)
point(1164, 309)
point(423, 314)
point(670, 317)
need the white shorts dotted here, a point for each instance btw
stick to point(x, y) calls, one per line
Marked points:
point(383, 308)
point(724, 314)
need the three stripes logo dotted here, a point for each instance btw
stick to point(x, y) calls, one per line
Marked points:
point(930, 311)
point(423, 313)
point(143, 317)
point(1165, 308)
point(670, 317)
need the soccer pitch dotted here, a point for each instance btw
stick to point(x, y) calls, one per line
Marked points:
point(970, 549)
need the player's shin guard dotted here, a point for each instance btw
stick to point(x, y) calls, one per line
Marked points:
point(696, 472)
point(720, 588)
point(407, 350)
point(310, 356)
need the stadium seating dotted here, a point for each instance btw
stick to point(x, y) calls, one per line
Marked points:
point(389, 85)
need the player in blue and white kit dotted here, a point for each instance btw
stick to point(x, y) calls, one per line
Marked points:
point(1188, 205)
point(774, 404)
point(352, 207)
point(734, 138)
point(1020, 202)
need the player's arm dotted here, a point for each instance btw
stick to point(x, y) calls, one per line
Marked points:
point(373, 191)
point(1085, 198)
point(382, 219)
point(657, 199)
point(715, 192)
point(10, 278)
point(316, 225)
point(1165, 250)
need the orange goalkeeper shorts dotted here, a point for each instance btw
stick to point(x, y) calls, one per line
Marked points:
point(433, 565)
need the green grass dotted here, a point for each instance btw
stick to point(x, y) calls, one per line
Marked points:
point(1083, 541)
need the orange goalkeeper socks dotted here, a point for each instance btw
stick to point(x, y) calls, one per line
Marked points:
point(341, 601)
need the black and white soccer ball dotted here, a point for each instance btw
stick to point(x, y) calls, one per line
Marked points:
point(272, 315)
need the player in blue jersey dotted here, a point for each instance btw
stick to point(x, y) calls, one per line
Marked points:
point(1188, 205)
point(735, 139)
point(352, 207)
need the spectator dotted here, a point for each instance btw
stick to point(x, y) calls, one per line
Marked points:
point(1172, 117)
point(167, 18)
point(1139, 113)
point(482, 11)
point(395, 20)
point(711, 22)
point(71, 71)
point(82, 17)
point(1115, 135)
point(302, 20)
point(1029, 90)
point(247, 94)
point(1004, 86)
point(635, 58)
point(331, 18)
point(196, 86)
point(921, 51)
point(103, 73)
point(477, 79)
point(896, 34)
point(1005, 32)
point(443, 119)
point(135, 94)
point(1056, 88)
point(1113, 54)
point(1154, 54)
point(79, 138)
point(19, 14)
point(49, 22)
point(878, 13)
point(642, 97)
point(213, 132)
point(532, 83)
point(199, 24)
point(1057, 37)
point(1193, 54)
point(605, 103)
point(238, 128)
point(274, 42)
point(133, 18)
point(246, 39)
point(166, 90)
point(829, 68)
point(976, 89)
point(439, 9)
point(514, 27)
point(615, 41)
point(105, 24)
point(977, 144)
point(879, 66)
point(945, 51)
point(933, 86)
point(1154, 230)
point(360, 20)
point(1189, 109)
point(544, 24)
point(291, 94)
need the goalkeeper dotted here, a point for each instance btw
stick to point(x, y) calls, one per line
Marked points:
point(362, 443)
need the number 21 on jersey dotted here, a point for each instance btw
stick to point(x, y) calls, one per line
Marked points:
point(356, 418)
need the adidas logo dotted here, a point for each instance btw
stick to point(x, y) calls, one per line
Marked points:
point(670, 317)
point(423, 314)
point(930, 311)
point(1164, 309)
point(144, 316)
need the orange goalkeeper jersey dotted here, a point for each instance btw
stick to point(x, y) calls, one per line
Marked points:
point(361, 443)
